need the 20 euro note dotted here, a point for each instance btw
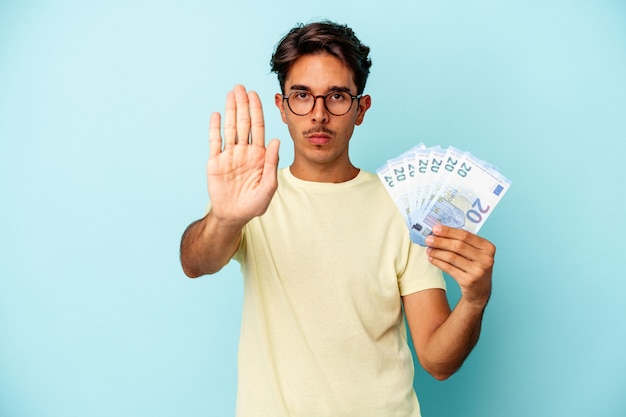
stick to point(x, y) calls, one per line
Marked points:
point(463, 201)
point(449, 186)
point(398, 176)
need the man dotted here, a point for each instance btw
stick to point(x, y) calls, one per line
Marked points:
point(326, 257)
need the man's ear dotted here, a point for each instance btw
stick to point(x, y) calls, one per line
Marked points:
point(365, 103)
point(280, 103)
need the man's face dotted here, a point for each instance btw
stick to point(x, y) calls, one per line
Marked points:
point(321, 138)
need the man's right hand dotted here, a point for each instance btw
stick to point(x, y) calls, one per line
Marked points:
point(241, 171)
point(241, 176)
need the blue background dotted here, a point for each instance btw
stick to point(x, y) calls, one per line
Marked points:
point(104, 109)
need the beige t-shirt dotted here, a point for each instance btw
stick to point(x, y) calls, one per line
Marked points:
point(323, 333)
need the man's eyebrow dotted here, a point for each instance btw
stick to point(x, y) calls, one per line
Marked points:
point(302, 87)
point(299, 87)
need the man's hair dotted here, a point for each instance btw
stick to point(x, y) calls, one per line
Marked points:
point(322, 37)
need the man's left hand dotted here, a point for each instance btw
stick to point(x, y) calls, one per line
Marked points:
point(466, 257)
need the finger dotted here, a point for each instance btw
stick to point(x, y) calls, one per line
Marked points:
point(465, 272)
point(475, 283)
point(450, 269)
point(256, 120)
point(449, 261)
point(243, 115)
point(458, 253)
point(468, 238)
point(215, 140)
point(270, 168)
point(271, 156)
point(230, 127)
point(455, 246)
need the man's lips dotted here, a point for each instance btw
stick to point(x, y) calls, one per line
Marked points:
point(318, 137)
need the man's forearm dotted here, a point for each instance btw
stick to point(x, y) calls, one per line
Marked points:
point(451, 343)
point(207, 245)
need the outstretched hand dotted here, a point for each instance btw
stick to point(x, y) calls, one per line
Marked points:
point(241, 171)
point(466, 257)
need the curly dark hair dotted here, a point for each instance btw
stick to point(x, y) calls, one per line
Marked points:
point(322, 37)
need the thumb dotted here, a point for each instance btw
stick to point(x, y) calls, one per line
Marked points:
point(271, 155)
point(270, 167)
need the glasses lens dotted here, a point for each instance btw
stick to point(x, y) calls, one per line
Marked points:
point(337, 103)
point(301, 103)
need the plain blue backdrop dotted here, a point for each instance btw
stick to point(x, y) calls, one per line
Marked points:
point(104, 110)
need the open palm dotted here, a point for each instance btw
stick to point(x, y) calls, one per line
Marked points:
point(241, 171)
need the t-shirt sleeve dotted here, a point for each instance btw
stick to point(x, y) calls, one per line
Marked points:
point(419, 274)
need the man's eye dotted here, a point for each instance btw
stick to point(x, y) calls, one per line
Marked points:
point(337, 97)
point(301, 96)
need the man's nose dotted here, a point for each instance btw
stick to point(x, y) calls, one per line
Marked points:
point(320, 113)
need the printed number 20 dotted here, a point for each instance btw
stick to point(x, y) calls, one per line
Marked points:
point(476, 216)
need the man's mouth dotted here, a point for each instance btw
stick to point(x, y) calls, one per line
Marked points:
point(318, 137)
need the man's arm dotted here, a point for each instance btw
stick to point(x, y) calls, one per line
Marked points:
point(241, 178)
point(442, 338)
point(207, 245)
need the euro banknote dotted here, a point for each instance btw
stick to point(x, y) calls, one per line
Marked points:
point(431, 185)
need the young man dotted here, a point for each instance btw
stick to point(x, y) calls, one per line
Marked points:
point(327, 262)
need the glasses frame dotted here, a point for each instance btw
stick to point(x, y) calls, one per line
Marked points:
point(322, 96)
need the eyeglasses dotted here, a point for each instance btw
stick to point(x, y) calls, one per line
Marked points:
point(337, 103)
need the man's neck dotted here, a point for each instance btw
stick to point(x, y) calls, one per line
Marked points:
point(335, 174)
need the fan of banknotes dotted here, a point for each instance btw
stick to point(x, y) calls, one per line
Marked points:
point(432, 185)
